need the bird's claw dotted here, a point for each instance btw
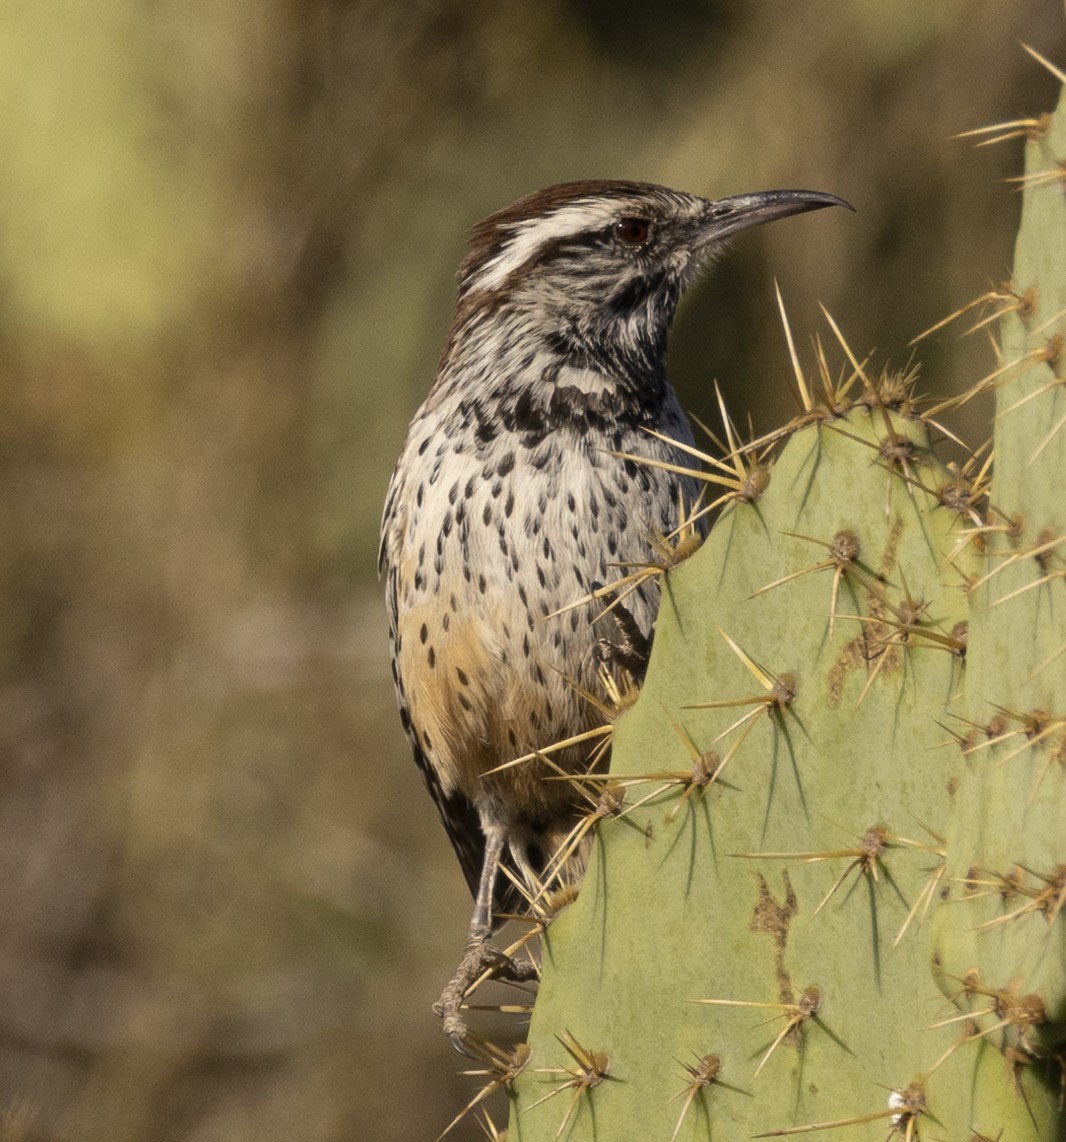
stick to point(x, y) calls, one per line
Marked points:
point(480, 957)
point(631, 648)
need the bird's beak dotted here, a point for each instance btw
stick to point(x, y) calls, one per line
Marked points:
point(730, 215)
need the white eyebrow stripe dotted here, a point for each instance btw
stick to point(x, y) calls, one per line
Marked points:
point(528, 236)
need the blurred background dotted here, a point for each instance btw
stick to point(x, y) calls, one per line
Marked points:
point(228, 233)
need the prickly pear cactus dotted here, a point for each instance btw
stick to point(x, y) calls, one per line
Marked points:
point(1005, 933)
point(827, 892)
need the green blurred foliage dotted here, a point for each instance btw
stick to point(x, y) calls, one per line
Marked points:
point(227, 239)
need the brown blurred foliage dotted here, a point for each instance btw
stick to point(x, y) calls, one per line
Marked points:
point(227, 238)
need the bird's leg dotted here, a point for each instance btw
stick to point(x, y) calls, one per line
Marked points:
point(480, 956)
point(632, 648)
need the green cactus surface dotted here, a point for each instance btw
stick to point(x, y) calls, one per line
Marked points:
point(1007, 851)
point(831, 900)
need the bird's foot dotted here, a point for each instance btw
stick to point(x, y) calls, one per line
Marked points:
point(631, 648)
point(480, 958)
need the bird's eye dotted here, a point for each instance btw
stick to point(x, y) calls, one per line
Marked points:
point(632, 231)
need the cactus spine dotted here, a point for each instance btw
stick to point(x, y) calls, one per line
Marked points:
point(827, 895)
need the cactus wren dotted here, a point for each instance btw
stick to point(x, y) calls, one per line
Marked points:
point(510, 500)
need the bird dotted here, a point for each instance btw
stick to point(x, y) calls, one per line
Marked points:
point(521, 488)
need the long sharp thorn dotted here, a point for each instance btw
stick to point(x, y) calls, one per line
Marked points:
point(1057, 72)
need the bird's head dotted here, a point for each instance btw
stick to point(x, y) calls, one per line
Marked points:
point(600, 266)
